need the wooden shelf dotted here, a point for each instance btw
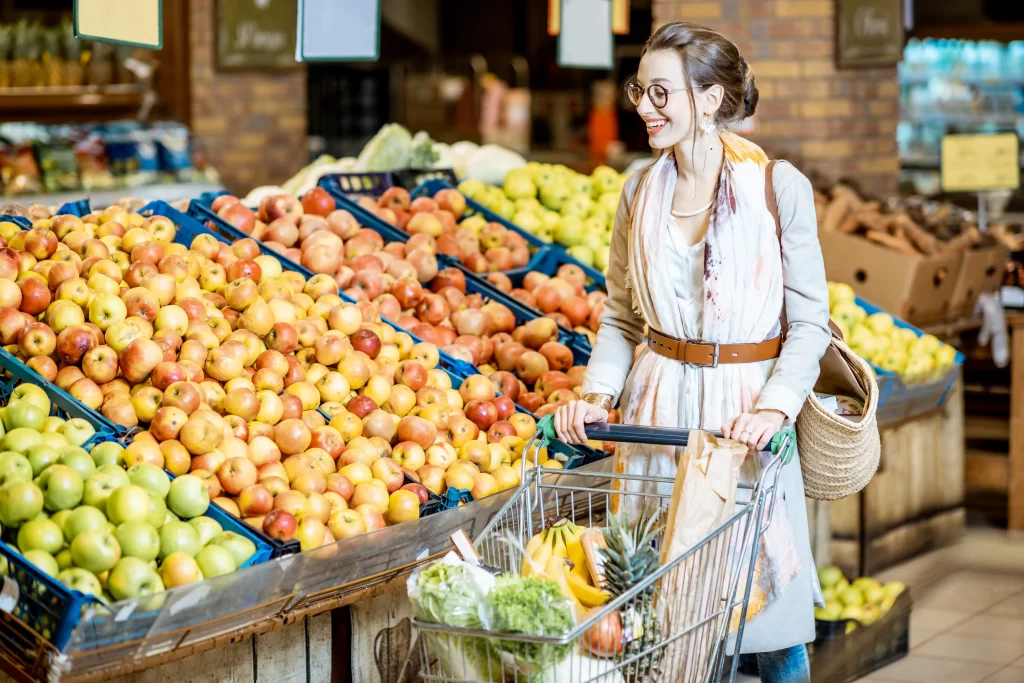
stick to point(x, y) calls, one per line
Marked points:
point(69, 103)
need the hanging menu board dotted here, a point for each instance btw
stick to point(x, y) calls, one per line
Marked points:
point(869, 32)
point(332, 31)
point(256, 34)
point(585, 38)
point(124, 22)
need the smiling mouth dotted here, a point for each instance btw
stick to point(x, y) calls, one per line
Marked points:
point(655, 126)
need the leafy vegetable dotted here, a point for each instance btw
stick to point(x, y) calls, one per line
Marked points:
point(530, 606)
point(450, 592)
point(389, 149)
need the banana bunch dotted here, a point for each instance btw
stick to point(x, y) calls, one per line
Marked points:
point(556, 553)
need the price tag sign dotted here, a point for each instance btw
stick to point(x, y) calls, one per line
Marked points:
point(338, 31)
point(980, 163)
point(585, 38)
point(125, 22)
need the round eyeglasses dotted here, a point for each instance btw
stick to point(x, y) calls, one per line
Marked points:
point(657, 93)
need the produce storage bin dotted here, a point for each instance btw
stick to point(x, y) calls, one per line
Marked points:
point(45, 604)
point(841, 657)
point(899, 399)
point(550, 259)
point(375, 184)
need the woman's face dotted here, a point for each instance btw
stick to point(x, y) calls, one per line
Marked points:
point(673, 122)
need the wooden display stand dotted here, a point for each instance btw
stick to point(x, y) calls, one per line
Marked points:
point(915, 501)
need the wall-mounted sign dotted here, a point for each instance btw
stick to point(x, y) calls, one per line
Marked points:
point(256, 34)
point(585, 38)
point(980, 163)
point(125, 22)
point(869, 32)
point(332, 31)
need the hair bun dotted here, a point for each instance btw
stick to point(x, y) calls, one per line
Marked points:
point(750, 94)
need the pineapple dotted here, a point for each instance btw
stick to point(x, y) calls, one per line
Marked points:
point(630, 557)
point(74, 70)
point(52, 63)
point(6, 38)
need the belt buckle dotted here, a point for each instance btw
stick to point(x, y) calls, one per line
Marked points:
point(714, 353)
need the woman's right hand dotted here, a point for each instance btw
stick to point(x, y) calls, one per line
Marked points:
point(570, 420)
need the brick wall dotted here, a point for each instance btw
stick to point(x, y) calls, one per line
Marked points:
point(838, 123)
point(251, 125)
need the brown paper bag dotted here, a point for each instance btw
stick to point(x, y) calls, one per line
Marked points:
point(703, 498)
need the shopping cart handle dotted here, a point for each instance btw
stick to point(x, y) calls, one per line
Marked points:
point(603, 431)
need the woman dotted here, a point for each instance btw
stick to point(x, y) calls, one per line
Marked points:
point(695, 255)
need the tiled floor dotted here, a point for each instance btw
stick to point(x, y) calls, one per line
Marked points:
point(967, 624)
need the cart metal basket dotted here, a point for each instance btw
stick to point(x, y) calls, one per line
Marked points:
point(690, 629)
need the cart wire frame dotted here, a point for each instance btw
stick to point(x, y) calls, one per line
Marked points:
point(691, 610)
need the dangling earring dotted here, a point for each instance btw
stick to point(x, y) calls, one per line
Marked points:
point(707, 126)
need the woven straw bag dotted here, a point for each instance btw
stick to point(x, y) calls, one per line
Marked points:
point(838, 455)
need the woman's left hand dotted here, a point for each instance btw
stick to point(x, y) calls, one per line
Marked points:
point(755, 429)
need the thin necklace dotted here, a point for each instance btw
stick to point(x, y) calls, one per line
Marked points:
point(691, 214)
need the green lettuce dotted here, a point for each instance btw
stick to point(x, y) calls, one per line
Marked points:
point(530, 606)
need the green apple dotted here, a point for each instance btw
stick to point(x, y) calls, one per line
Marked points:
point(188, 496)
point(240, 547)
point(96, 550)
point(206, 527)
point(62, 487)
point(14, 467)
point(21, 440)
point(79, 461)
point(54, 440)
point(150, 477)
point(157, 511)
point(23, 415)
point(138, 539)
point(132, 577)
point(60, 517)
point(98, 489)
point(52, 424)
point(213, 560)
point(20, 501)
point(108, 453)
point(581, 254)
point(40, 534)
point(83, 518)
point(82, 581)
point(42, 456)
point(601, 257)
point(116, 471)
point(77, 431)
point(170, 517)
point(33, 394)
point(178, 537)
point(569, 232)
point(64, 560)
point(128, 504)
point(44, 561)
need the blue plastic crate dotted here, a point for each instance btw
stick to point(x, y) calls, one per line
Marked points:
point(900, 401)
point(206, 198)
point(549, 260)
point(359, 184)
point(78, 208)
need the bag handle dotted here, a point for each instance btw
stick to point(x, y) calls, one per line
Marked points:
point(773, 207)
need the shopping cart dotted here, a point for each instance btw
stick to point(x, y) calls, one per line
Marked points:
point(707, 615)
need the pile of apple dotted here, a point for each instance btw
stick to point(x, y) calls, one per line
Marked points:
point(482, 246)
point(80, 517)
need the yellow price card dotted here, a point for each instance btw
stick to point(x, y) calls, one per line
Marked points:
point(125, 22)
point(980, 163)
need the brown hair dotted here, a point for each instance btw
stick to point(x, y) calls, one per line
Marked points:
point(709, 58)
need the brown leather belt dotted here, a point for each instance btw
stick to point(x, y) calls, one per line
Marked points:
point(706, 353)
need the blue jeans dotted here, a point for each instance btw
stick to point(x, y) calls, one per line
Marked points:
point(785, 666)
